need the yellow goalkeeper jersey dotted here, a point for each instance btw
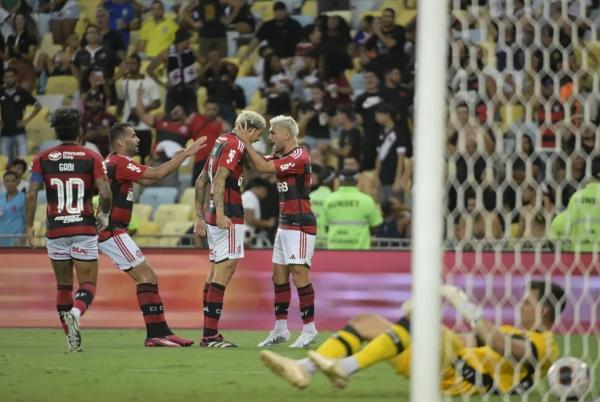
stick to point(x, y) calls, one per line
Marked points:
point(482, 369)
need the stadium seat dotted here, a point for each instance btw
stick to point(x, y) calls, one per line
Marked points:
point(62, 84)
point(51, 102)
point(145, 236)
point(40, 213)
point(310, 8)
point(304, 20)
point(346, 15)
point(258, 103)
point(202, 96)
point(173, 231)
point(3, 161)
point(250, 85)
point(262, 10)
point(142, 212)
point(189, 198)
point(510, 114)
point(158, 195)
point(171, 213)
point(87, 9)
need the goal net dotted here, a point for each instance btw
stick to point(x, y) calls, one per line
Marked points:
point(522, 138)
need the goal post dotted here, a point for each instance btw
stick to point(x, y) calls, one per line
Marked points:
point(430, 128)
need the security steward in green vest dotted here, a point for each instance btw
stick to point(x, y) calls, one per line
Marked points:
point(349, 215)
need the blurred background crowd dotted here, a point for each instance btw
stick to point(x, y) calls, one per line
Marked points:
point(522, 105)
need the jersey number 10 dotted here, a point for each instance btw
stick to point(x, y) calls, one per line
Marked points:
point(65, 193)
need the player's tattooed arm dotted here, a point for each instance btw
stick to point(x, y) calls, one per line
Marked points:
point(218, 197)
point(201, 190)
point(105, 194)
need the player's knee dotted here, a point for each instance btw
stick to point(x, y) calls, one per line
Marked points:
point(300, 275)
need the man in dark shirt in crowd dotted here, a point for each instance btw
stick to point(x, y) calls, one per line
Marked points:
point(388, 39)
point(13, 101)
point(315, 117)
point(350, 136)
point(111, 38)
point(365, 106)
point(282, 33)
point(207, 17)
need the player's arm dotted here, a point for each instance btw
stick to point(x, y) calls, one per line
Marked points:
point(221, 176)
point(519, 348)
point(30, 207)
point(256, 159)
point(104, 194)
point(201, 189)
point(152, 174)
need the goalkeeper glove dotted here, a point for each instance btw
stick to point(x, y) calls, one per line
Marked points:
point(461, 302)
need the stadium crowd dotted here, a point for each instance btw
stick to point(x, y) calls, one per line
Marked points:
point(522, 104)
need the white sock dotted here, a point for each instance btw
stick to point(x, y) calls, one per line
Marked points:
point(280, 325)
point(308, 365)
point(349, 365)
point(310, 328)
point(75, 311)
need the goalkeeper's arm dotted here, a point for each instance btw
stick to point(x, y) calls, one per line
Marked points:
point(506, 345)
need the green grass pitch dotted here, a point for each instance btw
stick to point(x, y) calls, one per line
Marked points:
point(114, 366)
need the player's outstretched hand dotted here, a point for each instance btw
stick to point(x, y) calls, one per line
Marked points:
point(30, 234)
point(195, 146)
point(102, 221)
point(224, 222)
point(199, 228)
point(461, 302)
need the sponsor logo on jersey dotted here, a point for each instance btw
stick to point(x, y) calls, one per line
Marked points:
point(68, 218)
point(54, 156)
point(230, 156)
point(133, 168)
point(287, 166)
point(71, 154)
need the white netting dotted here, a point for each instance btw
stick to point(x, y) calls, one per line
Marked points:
point(523, 134)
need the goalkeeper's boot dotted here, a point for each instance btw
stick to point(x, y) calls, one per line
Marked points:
point(288, 369)
point(160, 342)
point(179, 340)
point(216, 342)
point(73, 334)
point(305, 340)
point(331, 368)
point(275, 337)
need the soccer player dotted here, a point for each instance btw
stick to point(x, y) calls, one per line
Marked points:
point(115, 241)
point(505, 359)
point(295, 239)
point(70, 173)
point(224, 218)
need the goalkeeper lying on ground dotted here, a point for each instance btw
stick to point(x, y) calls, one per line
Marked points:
point(494, 359)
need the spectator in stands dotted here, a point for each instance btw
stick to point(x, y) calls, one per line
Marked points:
point(350, 141)
point(365, 30)
point(208, 18)
point(305, 66)
point(63, 18)
point(219, 78)
point(58, 63)
point(336, 34)
point(239, 17)
point(157, 33)
point(18, 167)
point(393, 153)
point(365, 106)
point(96, 120)
point(111, 38)
point(127, 92)
point(276, 86)
point(282, 33)
point(388, 39)
point(94, 56)
point(21, 48)
point(208, 125)
point(477, 223)
point(315, 117)
point(182, 72)
point(397, 93)
point(332, 65)
point(549, 111)
point(256, 232)
point(396, 220)
point(13, 101)
point(123, 17)
point(534, 217)
point(349, 216)
point(322, 185)
point(12, 212)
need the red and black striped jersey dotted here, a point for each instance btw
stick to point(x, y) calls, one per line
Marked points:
point(122, 172)
point(227, 152)
point(293, 185)
point(68, 172)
